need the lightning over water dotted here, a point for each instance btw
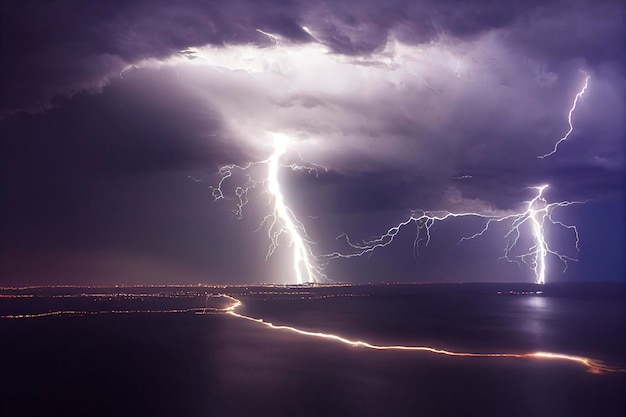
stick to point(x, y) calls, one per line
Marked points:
point(279, 64)
point(312, 208)
point(531, 219)
point(281, 222)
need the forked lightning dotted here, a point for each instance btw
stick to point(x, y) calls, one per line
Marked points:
point(569, 118)
point(281, 221)
point(535, 214)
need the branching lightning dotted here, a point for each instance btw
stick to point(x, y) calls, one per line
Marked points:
point(281, 221)
point(401, 60)
point(569, 118)
point(534, 215)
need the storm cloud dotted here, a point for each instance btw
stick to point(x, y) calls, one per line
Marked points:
point(430, 105)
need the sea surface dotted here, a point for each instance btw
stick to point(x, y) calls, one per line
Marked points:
point(179, 351)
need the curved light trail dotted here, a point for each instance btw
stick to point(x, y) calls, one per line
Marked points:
point(593, 365)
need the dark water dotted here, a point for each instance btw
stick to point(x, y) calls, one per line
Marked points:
point(187, 364)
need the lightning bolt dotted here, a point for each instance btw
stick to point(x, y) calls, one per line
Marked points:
point(312, 35)
point(282, 220)
point(271, 36)
point(569, 117)
point(536, 213)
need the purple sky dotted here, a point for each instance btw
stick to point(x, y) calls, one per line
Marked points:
point(108, 108)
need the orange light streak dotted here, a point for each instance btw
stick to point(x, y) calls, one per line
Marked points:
point(593, 365)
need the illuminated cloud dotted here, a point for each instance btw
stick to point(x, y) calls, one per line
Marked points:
point(443, 109)
point(409, 105)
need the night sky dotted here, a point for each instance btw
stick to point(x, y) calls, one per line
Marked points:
point(115, 117)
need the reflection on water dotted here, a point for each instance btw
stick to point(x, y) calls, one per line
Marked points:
point(537, 302)
point(189, 364)
point(538, 308)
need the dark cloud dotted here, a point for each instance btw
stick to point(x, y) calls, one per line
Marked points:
point(559, 32)
point(60, 47)
point(408, 105)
